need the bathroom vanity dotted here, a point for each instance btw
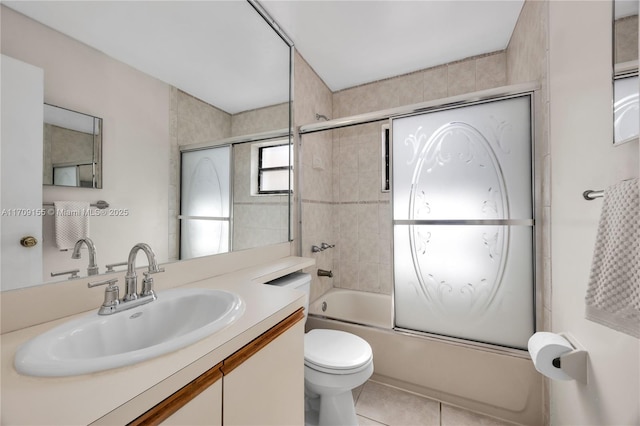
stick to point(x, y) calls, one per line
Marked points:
point(247, 373)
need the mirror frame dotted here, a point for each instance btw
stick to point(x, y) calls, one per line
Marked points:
point(96, 161)
point(620, 73)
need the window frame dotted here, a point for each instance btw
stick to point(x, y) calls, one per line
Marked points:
point(261, 169)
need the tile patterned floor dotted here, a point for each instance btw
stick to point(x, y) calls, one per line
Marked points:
point(381, 405)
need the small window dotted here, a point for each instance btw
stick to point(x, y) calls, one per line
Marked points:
point(273, 169)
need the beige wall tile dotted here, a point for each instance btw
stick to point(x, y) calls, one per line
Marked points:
point(626, 39)
point(461, 77)
point(491, 71)
point(435, 83)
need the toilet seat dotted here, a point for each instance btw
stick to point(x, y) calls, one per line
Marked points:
point(336, 352)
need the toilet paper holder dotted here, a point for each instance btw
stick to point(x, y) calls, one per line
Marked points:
point(573, 363)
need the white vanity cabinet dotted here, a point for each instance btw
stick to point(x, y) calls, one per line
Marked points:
point(204, 409)
point(260, 384)
point(264, 382)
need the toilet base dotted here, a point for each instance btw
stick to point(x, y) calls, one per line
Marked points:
point(330, 410)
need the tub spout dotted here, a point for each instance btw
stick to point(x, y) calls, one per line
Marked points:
point(323, 273)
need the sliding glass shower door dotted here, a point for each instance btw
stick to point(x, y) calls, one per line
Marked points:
point(205, 202)
point(463, 222)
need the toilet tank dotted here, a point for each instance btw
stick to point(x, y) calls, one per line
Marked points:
point(299, 281)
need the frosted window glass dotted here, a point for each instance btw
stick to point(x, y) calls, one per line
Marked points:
point(201, 237)
point(471, 282)
point(205, 182)
point(65, 176)
point(274, 180)
point(205, 193)
point(463, 266)
point(275, 156)
point(626, 109)
point(465, 163)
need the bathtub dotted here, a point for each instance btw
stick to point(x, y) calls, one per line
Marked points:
point(485, 379)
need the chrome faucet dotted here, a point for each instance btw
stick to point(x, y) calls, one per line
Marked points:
point(131, 279)
point(92, 269)
point(112, 302)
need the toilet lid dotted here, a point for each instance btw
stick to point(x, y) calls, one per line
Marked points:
point(335, 349)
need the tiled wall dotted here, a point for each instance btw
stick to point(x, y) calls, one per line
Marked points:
point(311, 97)
point(194, 121)
point(626, 39)
point(362, 225)
point(257, 220)
point(527, 60)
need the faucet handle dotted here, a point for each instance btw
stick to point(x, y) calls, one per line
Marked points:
point(73, 273)
point(108, 282)
point(113, 265)
point(147, 284)
point(111, 295)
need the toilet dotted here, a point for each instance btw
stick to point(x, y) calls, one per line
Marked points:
point(335, 362)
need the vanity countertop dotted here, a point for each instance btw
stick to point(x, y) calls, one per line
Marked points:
point(119, 395)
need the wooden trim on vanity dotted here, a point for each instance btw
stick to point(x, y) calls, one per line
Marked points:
point(246, 352)
point(179, 399)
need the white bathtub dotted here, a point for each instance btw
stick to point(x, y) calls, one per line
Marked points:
point(358, 307)
point(485, 380)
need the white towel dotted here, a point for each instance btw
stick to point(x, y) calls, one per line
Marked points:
point(72, 222)
point(613, 294)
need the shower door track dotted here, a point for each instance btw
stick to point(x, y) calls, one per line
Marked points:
point(438, 104)
point(507, 222)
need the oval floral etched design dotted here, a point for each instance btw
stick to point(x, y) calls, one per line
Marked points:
point(457, 176)
point(205, 199)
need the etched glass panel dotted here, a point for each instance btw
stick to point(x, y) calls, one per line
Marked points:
point(205, 182)
point(205, 200)
point(202, 237)
point(626, 110)
point(465, 163)
point(462, 206)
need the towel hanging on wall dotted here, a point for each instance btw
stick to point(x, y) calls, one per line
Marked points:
point(613, 293)
point(72, 222)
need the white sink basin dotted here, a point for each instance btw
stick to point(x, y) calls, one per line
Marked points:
point(95, 342)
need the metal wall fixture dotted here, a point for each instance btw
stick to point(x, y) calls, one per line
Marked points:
point(325, 273)
point(100, 204)
point(590, 194)
point(322, 247)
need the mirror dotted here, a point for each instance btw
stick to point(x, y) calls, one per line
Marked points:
point(162, 76)
point(626, 111)
point(72, 143)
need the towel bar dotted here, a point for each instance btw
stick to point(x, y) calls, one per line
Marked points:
point(100, 204)
point(590, 194)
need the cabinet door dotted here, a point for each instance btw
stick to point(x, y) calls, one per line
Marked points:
point(204, 409)
point(197, 403)
point(266, 386)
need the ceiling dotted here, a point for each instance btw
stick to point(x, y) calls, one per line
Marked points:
point(347, 43)
point(222, 52)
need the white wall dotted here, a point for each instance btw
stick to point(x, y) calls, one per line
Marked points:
point(135, 112)
point(582, 157)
